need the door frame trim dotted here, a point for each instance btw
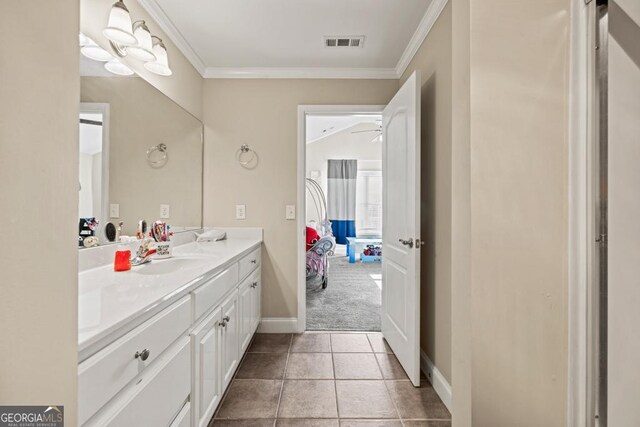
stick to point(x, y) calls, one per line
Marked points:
point(301, 203)
point(580, 143)
point(103, 108)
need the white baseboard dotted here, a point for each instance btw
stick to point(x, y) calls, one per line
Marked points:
point(437, 380)
point(278, 325)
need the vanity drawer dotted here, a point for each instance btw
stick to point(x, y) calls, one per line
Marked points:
point(209, 294)
point(183, 419)
point(105, 373)
point(249, 263)
point(157, 398)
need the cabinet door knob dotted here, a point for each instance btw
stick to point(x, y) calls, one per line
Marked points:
point(142, 355)
point(253, 261)
point(254, 284)
point(224, 322)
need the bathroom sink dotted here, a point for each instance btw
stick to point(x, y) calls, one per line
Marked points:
point(171, 265)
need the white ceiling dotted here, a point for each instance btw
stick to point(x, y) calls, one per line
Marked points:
point(284, 38)
point(321, 126)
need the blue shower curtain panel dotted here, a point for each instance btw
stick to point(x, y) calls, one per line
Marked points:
point(341, 195)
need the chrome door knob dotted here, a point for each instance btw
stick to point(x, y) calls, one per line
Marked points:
point(408, 242)
point(143, 355)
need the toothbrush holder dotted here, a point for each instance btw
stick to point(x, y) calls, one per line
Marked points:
point(163, 250)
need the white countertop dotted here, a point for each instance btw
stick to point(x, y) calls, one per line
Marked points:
point(112, 302)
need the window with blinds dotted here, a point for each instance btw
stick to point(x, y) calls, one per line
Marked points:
point(369, 203)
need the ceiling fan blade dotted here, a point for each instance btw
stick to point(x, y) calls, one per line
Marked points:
point(369, 130)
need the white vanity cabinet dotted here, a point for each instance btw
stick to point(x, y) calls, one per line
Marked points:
point(249, 301)
point(173, 368)
point(229, 338)
point(156, 397)
point(206, 350)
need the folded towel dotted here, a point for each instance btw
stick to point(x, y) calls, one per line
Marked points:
point(211, 236)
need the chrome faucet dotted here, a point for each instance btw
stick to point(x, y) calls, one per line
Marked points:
point(144, 252)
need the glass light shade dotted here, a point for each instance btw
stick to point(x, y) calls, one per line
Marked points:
point(161, 65)
point(84, 40)
point(116, 67)
point(92, 51)
point(142, 50)
point(119, 26)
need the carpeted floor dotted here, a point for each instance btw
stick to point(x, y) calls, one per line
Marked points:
point(352, 300)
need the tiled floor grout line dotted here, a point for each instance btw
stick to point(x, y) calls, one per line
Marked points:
point(284, 376)
point(384, 381)
point(335, 380)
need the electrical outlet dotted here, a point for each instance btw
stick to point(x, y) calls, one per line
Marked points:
point(165, 211)
point(241, 211)
point(114, 210)
point(290, 212)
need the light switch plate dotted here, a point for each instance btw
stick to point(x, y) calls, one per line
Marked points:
point(290, 212)
point(241, 211)
point(165, 211)
point(114, 210)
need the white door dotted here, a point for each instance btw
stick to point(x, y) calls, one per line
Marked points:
point(206, 391)
point(257, 301)
point(229, 338)
point(401, 226)
point(246, 307)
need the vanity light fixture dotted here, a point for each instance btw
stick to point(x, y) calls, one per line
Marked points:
point(161, 65)
point(142, 50)
point(118, 29)
point(91, 50)
point(116, 67)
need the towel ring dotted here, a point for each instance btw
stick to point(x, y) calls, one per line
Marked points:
point(246, 156)
point(158, 163)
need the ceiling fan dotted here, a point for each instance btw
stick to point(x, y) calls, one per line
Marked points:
point(377, 131)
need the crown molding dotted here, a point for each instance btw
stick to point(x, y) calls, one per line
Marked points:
point(300, 73)
point(428, 20)
point(157, 13)
point(426, 24)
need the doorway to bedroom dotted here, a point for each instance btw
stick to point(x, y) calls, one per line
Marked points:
point(343, 219)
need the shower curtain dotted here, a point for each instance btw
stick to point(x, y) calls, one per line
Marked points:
point(341, 194)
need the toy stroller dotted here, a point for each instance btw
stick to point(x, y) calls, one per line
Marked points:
point(323, 245)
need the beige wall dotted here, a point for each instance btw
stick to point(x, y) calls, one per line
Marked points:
point(433, 59)
point(184, 86)
point(624, 211)
point(461, 303)
point(140, 117)
point(519, 166)
point(39, 196)
point(263, 114)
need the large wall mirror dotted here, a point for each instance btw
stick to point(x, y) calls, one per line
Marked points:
point(140, 156)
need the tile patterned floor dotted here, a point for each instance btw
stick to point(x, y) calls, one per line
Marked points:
point(319, 379)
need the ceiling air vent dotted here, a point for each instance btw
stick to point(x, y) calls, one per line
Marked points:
point(343, 41)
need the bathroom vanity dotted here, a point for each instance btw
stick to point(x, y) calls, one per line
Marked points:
point(158, 345)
